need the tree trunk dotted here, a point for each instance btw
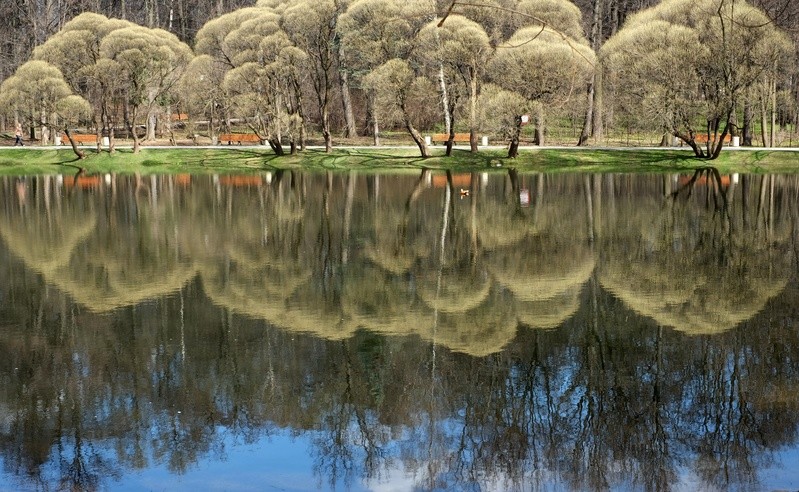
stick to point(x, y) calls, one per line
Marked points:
point(415, 135)
point(691, 142)
point(375, 124)
point(599, 113)
point(747, 126)
point(45, 134)
point(326, 130)
point(130, 122)
point(595, 40)
point(448, 128)
point(764, 120)
point(773, 133)
point(151, 122)
point(539, 127)
point(350, 129)
point(418, 139)
point(75, 148)
point(277, 147)
point(473, 110)
point(450, 144)
point(303, 134)
point(615, 17)
point(513, 149)
point(589, 114)
point(719, 144)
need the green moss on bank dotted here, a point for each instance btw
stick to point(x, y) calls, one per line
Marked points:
point(258, 159)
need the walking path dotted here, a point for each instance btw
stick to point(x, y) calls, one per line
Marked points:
point(402, 147)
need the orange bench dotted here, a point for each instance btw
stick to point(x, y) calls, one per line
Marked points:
point(702, 138)
point(79, 138)
point(179, 117)
point(443, 137)
point(239, 137)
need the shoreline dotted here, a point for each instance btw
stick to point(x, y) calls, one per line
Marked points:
point(226, 159)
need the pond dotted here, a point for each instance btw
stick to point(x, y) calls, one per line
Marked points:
point(483, 331)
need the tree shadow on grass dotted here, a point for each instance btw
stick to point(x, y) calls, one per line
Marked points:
point(371, 159)
point(654, 161)
point(257, 159)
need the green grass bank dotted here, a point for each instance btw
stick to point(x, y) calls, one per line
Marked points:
point(257, 159)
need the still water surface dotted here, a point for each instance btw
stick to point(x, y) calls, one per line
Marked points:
point(496, 331)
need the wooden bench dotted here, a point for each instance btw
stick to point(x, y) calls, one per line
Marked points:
point(79, 138)
point(179, 117)
point(239, 137)
point(701, 138)
point(443, 137)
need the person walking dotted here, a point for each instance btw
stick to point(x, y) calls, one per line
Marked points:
point(18, 135)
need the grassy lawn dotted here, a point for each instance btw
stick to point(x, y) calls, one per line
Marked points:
point(258, 159)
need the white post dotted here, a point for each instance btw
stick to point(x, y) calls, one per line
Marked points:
point(106, 141)
point(736, 141)
point(485, 141)
point(427, 140)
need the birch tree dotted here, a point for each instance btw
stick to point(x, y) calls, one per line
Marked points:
point(463, 47)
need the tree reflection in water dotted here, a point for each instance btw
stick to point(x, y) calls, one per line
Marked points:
point(607, 333)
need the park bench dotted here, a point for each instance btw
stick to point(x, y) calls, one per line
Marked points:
point(239, 137)
point(79, 138)
point(179, 117)
point(701, 138)
point(443, 137)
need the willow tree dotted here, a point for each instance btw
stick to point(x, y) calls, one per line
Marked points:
point(463, 47)
point(687, 64)
point(545, 66)
point(311, 26)
point(560, 15)
point(212, 42)
point(266, 81)
point(212, 39)
point(502, 111)
point(149, 63)
point(75, 51)
point(202, 91)
point(372, 32)
point(39, 91)
point(395, 84)
point(262, 72)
